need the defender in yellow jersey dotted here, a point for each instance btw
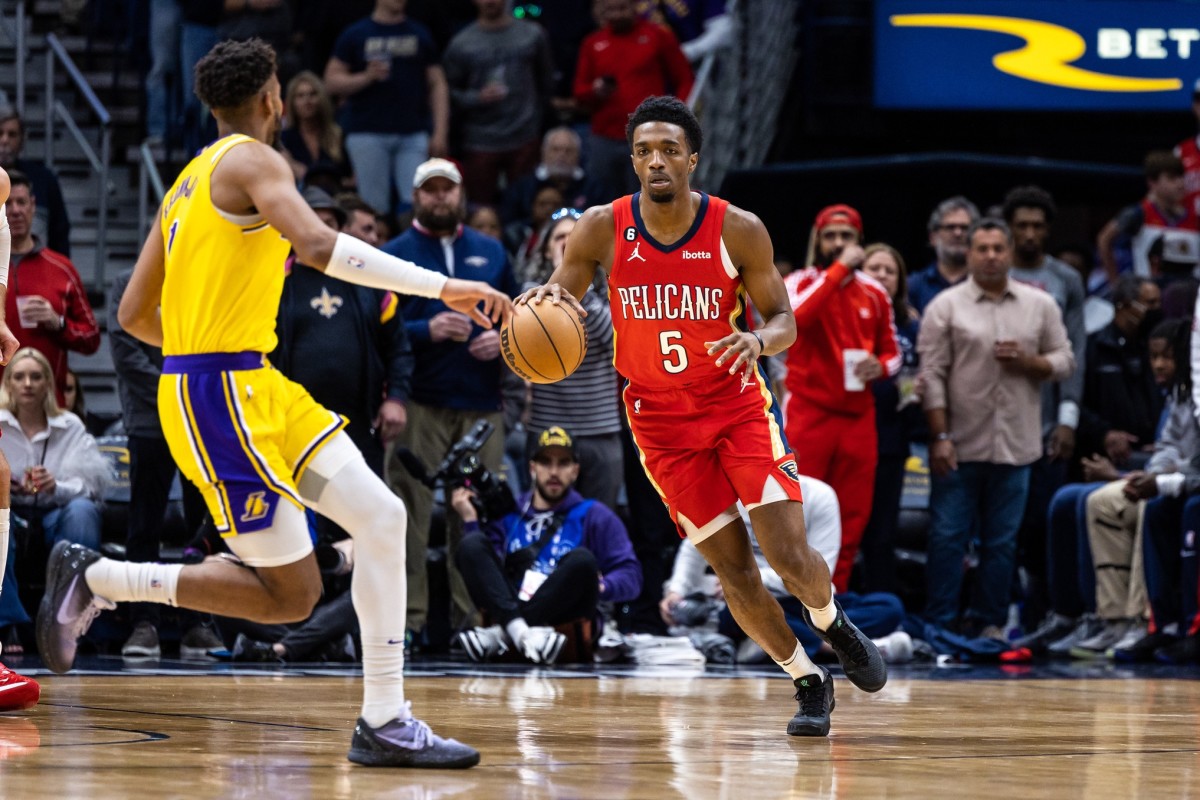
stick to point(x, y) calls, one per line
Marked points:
point(206, 289)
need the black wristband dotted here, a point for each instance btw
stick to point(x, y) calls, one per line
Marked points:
point(761, 346)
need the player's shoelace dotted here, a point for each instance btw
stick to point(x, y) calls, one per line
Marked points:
point(849, 643)
point(812, 700)
point(86, 618)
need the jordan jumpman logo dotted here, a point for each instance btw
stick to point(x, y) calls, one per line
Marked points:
point(636, 254)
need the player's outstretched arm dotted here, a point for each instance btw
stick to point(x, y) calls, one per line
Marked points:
point(752, 253)
point(589, 246)
point(268, 185)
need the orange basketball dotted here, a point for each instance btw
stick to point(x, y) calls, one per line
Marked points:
point(543, 343)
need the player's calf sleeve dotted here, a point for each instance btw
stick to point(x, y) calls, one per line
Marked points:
point(356, 499)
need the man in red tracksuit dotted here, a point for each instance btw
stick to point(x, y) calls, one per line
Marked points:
point(845, 340)
point(47, 307)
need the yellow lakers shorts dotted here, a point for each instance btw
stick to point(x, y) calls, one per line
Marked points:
point(242, 432)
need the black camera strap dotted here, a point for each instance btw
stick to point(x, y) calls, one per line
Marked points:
point(529, 553)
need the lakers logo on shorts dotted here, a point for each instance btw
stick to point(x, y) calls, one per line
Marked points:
point(789, 468)
point(257, 506)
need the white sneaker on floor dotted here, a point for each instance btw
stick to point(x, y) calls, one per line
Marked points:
point(1137, 630)
point(896, 648)
point(541, 645)
point(484, 644)
point(1096, 645)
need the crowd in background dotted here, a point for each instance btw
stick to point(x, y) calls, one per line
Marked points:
point(1049, 393)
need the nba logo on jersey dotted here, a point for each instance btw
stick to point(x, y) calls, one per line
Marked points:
point(789, 468)
point(256, 507)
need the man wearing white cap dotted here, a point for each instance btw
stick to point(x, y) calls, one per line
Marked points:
point(456, 377)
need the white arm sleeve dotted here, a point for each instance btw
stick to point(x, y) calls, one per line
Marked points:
point(5, 246)
point(358, 262)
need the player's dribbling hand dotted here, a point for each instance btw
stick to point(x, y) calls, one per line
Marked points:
point(555, 293)
point(8, 344)
point(741, 348)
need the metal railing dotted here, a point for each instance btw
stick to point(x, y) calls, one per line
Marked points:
point(14, 31)
point(56, 54)
point(148, 178)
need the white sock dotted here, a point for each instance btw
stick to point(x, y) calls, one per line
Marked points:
point(516, 631)
point(124, 581)
point(800, 665)
point(822, 618)
point(3, 553)
point(357, 500)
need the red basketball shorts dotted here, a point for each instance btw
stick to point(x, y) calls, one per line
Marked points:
point(704, 452)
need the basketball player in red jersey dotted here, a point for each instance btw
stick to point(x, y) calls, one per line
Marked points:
point(681, 265)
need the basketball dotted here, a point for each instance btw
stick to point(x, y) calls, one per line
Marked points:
point(543, 343)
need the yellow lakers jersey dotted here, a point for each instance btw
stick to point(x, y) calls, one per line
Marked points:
point(224, 272)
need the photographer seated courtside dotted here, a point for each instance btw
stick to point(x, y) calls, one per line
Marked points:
point(546, 564)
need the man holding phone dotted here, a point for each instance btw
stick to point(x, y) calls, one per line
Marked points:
point(986, 346)
point(620, 65)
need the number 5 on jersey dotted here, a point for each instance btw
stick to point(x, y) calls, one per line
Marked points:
point(676, 360)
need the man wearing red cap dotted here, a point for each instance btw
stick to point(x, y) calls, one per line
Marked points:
point(845, 340)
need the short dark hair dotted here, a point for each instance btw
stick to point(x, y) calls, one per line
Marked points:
point(671, 110)
point(8, 113)
point(1159, 162)
point(352, 202)
point(1029, 197)
point(18, 178)
point(989, 224)
point(233, 72)
point(1126, 290)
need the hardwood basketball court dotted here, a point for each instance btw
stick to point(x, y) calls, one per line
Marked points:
point(175, 731)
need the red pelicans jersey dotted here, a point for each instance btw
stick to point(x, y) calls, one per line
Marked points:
point(668, 300)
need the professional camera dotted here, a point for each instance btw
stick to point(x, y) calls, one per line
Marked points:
point(461, 467)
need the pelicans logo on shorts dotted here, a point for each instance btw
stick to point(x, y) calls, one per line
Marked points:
point(789, 468)
point(257, 507)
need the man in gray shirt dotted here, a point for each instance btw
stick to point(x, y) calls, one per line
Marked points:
point(986, 345)
point(501, 77)
point(1029, 212)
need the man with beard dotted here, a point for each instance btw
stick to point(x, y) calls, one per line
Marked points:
point(1029, 212)
point(546, 564)
point(985, 345)
point(846, 339)
point(206, 290)
point(456, 377)
point(46, 306)
point(51, 224)
point(948, 226)
point(681, 266)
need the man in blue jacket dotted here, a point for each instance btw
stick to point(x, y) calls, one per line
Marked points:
point(457, 369)
point(547, 563)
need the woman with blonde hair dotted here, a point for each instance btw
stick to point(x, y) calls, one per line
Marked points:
point(312, 136)
point(58, 472)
